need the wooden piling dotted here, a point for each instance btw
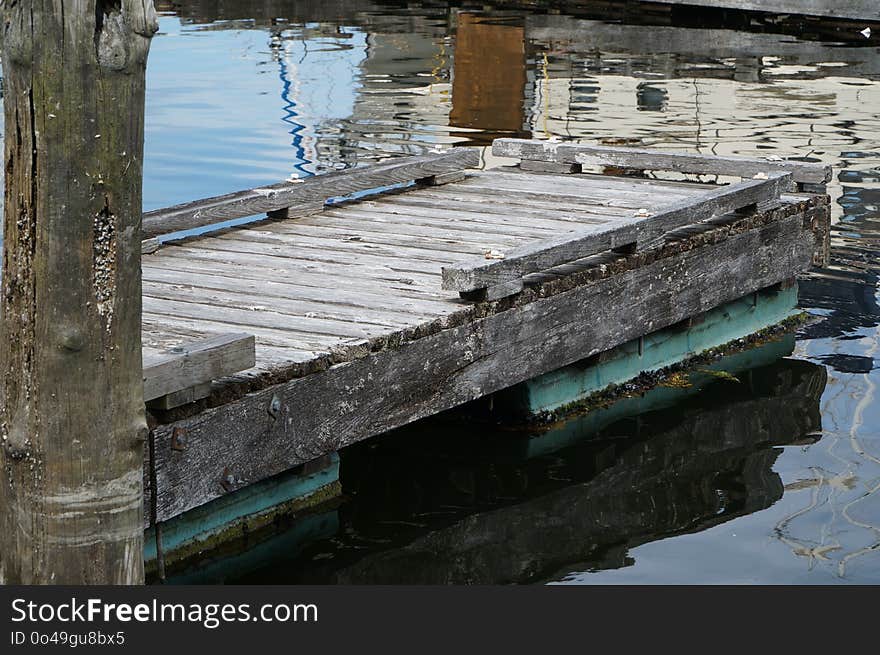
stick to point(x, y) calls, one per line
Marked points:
point(71, 395)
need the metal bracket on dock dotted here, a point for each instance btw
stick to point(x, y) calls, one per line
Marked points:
point(483, 280)
point(183, 374)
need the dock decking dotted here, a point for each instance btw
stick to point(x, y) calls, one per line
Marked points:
point(356, 315)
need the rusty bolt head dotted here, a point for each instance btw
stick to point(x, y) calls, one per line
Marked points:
point(178, 439)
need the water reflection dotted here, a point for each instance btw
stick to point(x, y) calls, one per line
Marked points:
point(241, 93)
point(408, 80)
point(442, 502)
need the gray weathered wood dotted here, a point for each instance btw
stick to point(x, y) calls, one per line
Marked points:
point(541, 255)
point(640, 159)
point(72, 422)
point(443, 178)
point(197, 363)
point(149, 246)
point(299, 211)
point(495, 292)
point(549, 167)
point(250, 442)
point(306, 192)
point(182, 397)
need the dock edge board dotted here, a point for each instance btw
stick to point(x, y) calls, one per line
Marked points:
point(243, 511)
point(570, 384)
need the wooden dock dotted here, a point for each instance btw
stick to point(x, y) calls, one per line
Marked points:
point(381, 295)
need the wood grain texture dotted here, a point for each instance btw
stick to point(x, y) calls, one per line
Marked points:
point(273, 429)
point(540, 255)
point(305, 192)
point(71, 412)
point(182, 397)
point(641, 159)
point(549, 167)
point(197, 363)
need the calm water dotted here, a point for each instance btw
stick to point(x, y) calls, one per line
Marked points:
point(775, 478)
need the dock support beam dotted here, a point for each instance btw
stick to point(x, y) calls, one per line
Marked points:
point(72, 419)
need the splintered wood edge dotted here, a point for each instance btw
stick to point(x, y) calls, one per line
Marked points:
point(197, 363)
point(643, 159)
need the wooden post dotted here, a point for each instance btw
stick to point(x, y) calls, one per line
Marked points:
point(71, 395)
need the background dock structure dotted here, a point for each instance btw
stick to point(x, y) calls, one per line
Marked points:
point(485, 89)
point(374, 297)
point(310, 11)
point(851, 10)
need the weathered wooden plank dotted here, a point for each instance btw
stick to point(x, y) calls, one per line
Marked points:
point(549, 167)
point(290, 265)
point(495, 292)
point(592, 186)
point(273, 268)
point(149, 246)
point(327, 259)
point(236, 298)
point(182, 397)
point(454, 222)
point(564, 190)
point(540, 255)
point(323, 246)
point(443, 178)
point(380, 233)
point(197, 363)
point(369, 290)
point(299, 211)
point(494, 209)
point(244, 319)
point(306, 344)
point(307, 191)
point(641, 159)
point(390, 388)
point(321, 298)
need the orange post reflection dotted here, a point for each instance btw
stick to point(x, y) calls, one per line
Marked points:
point(489, 76)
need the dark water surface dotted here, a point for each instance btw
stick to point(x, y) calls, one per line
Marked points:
point(775, 478)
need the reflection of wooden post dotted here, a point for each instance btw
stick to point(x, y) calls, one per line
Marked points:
point(489, 78)
point(71, 394)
